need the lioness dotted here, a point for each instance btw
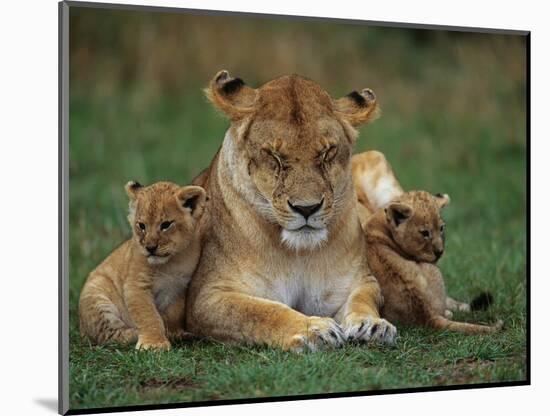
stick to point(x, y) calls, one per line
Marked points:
point(404, 241)
point(138, 292)
point(283, 263)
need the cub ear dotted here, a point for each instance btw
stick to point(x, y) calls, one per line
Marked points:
point(132, 188)
point(191, 199)
point(397, 213)
point(443, 200)
point(231, 96)
point(358, 107)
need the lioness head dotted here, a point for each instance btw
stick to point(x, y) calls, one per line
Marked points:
point(289, 150)
point(415, 222)
point(163, 217)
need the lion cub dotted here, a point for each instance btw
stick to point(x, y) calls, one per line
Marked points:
point(138, 292)
point(404, 241)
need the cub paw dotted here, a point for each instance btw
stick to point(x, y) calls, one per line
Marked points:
point(155, 344)
point(319, 333)
point(181, 335)
point(371, 329)
point(463, 307)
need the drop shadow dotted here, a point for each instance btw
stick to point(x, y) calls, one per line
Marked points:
point(49, 404)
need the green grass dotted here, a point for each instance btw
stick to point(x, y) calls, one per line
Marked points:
point(203, 370)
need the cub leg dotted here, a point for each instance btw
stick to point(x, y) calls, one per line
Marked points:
point(144, 313)
point(440, 322)
point(455, 305)
point(237, 316)
point(360, 318)
point(174, 318)
point(100, 313)
point(374, 181)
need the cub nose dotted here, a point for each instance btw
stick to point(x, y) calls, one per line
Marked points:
point(152, 249)
point(306, 210)
point(438, 252)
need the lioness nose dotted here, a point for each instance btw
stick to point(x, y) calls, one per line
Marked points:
point(306, 210)
point(151, 249)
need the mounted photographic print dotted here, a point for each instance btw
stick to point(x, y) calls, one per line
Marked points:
point(265, 208)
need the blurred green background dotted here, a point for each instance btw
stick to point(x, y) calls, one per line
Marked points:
point(453, 121)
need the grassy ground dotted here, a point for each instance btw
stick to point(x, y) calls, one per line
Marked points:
point(453, 122)
point(482, 171)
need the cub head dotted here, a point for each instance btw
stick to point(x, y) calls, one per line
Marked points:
point(416, 226)
point(163, 217)
point(289, 148)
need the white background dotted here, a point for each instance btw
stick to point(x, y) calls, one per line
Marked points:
point(28, 204)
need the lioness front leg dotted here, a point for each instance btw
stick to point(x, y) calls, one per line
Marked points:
point(360, 317)
point(142, 309)
point(244, 318)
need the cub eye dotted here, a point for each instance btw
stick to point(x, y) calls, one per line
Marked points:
point(425, 233)
point(165, 225)
point(330, 154)
point(141, 226)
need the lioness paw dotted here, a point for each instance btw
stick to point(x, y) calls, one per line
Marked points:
point(319, 334)
point(156, 344)
point(371, 329)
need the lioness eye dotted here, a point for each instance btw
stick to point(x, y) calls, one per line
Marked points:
point(330, 154)
point(278, 162)
point(275, 160)
point(141, 226)
point(165, 225)
point(425, 233)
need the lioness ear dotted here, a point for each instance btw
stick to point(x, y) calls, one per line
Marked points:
point(231, 96)
point(132, 188)
point(191, 199)
point(443, 200)
point(358, 107)
point(397, 213)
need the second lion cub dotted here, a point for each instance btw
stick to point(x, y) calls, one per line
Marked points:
point(138, 292)
point(404, 241)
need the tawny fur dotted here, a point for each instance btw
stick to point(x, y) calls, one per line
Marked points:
point(374, 181)
point(263, 278)
point(404, 241)
point(136, 296)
